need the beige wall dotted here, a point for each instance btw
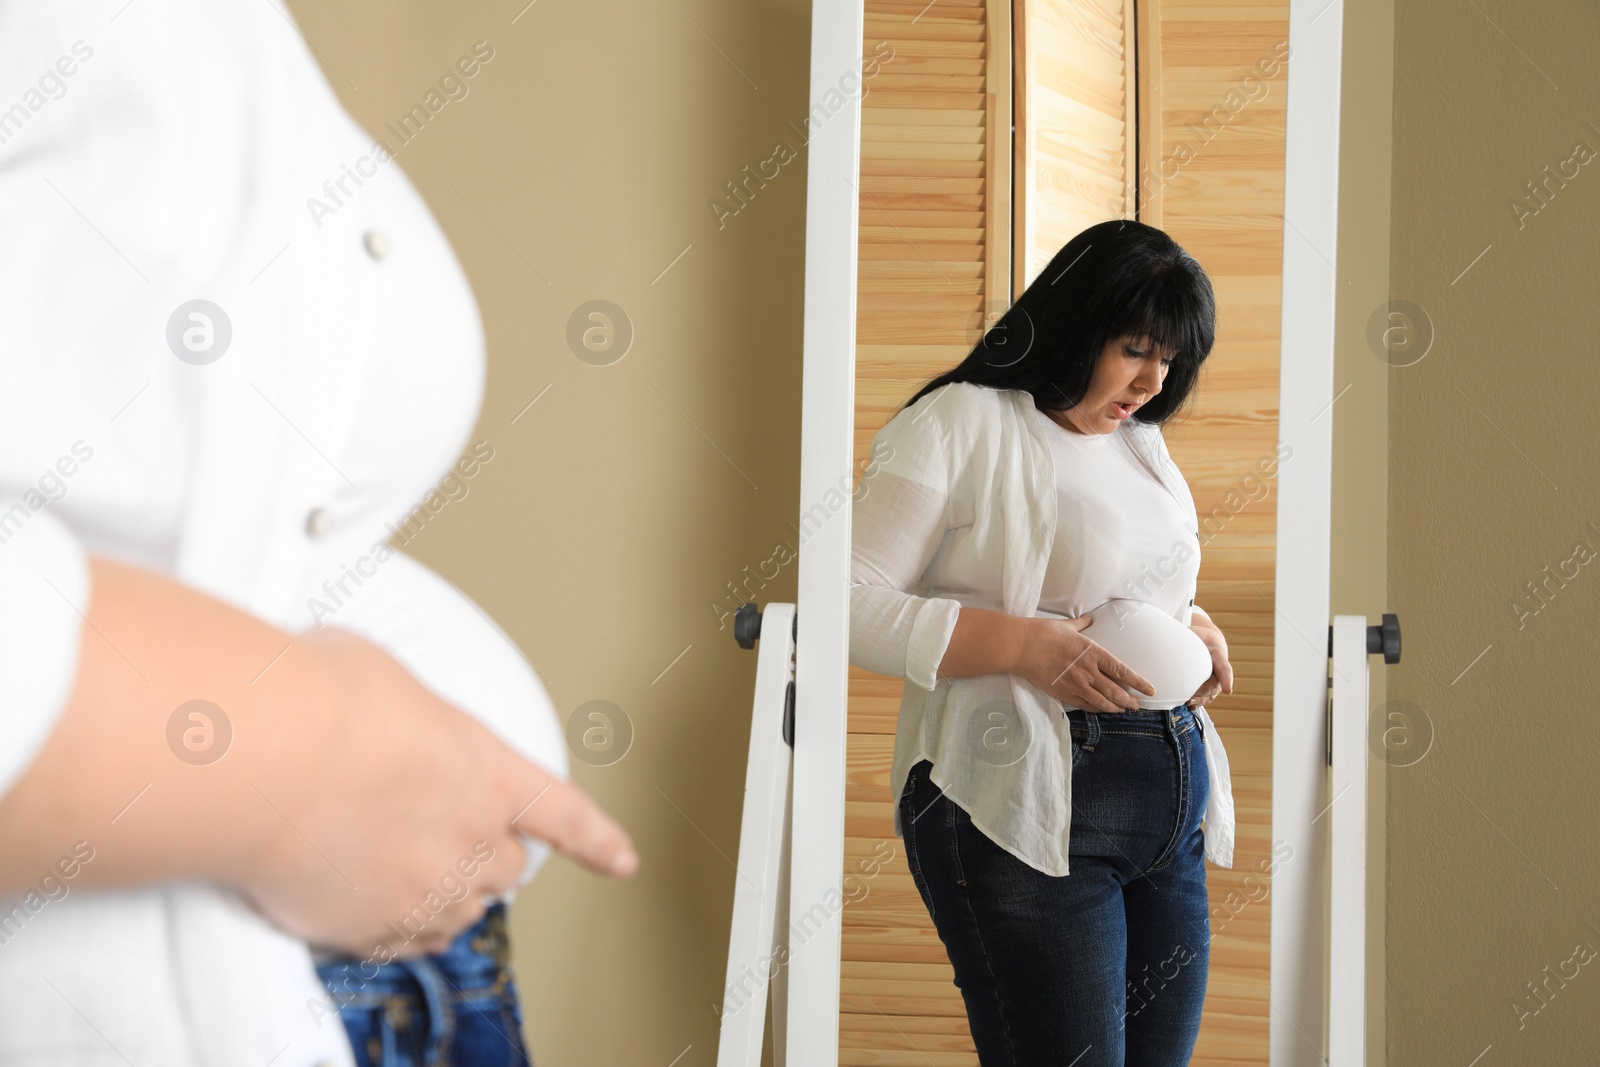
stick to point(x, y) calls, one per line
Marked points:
point(619, 506)
point(1492, 858)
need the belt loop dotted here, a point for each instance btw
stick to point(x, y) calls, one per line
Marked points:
point(1091, 730)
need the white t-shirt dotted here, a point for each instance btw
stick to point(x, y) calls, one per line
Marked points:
point(1126, 555)
point(1119, 532)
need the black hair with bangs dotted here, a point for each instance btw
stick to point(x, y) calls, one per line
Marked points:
point(1114, 279)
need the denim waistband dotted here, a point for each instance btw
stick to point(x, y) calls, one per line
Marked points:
point(1151, 722)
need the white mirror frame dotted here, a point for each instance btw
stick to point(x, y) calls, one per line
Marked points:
point(822, 625)
point(1299, 979)
point(1300, 775)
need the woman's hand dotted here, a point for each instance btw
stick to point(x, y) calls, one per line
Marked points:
point(1221, 680)
point(1059, 659)
point(411, 833)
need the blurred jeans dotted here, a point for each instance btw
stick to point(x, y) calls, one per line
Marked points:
point(1105, 966)
point(457, 1007)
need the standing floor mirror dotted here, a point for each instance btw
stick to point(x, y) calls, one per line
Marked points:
point(982, 136)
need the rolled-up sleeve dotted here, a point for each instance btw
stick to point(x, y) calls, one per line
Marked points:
point(898, 520)
point(44, 596)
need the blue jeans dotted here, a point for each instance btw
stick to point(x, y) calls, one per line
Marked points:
point(456, 1007)
point(1106, 965)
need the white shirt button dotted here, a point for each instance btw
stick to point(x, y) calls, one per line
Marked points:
point(376, 243)
point(316, 522)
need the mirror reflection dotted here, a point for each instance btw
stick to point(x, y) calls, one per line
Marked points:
point(1044, 301)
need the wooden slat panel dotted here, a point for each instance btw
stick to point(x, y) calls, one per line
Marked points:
point(1223, 204)
point(1077, 125)
point(935, 257)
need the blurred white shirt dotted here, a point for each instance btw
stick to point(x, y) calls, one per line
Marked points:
point(153, 154)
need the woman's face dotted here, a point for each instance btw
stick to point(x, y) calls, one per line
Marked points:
point(1128, 374)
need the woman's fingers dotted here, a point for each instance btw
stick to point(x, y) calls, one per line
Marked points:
point(1098, 701)
point(1086, 691)
point(1130, 679)
point(562, 814)
point(1112, 696)
point(1221, 669)
point(1210, 688)
point(504, 871)
point(1125, 676)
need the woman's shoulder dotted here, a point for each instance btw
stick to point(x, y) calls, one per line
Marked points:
point(939, 432)
point(956, 402)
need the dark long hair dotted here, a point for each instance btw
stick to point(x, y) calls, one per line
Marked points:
point(1115, 278)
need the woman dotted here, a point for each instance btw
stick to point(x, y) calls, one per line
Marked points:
point(1050, 792)
point(236, 723)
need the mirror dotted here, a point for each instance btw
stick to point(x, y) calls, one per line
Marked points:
point(992, 136)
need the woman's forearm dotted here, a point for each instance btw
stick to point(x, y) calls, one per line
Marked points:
point(983, 642)
point(155, 792)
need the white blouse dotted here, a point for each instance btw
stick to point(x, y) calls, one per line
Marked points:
point(169, 156)
point(962, 507)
